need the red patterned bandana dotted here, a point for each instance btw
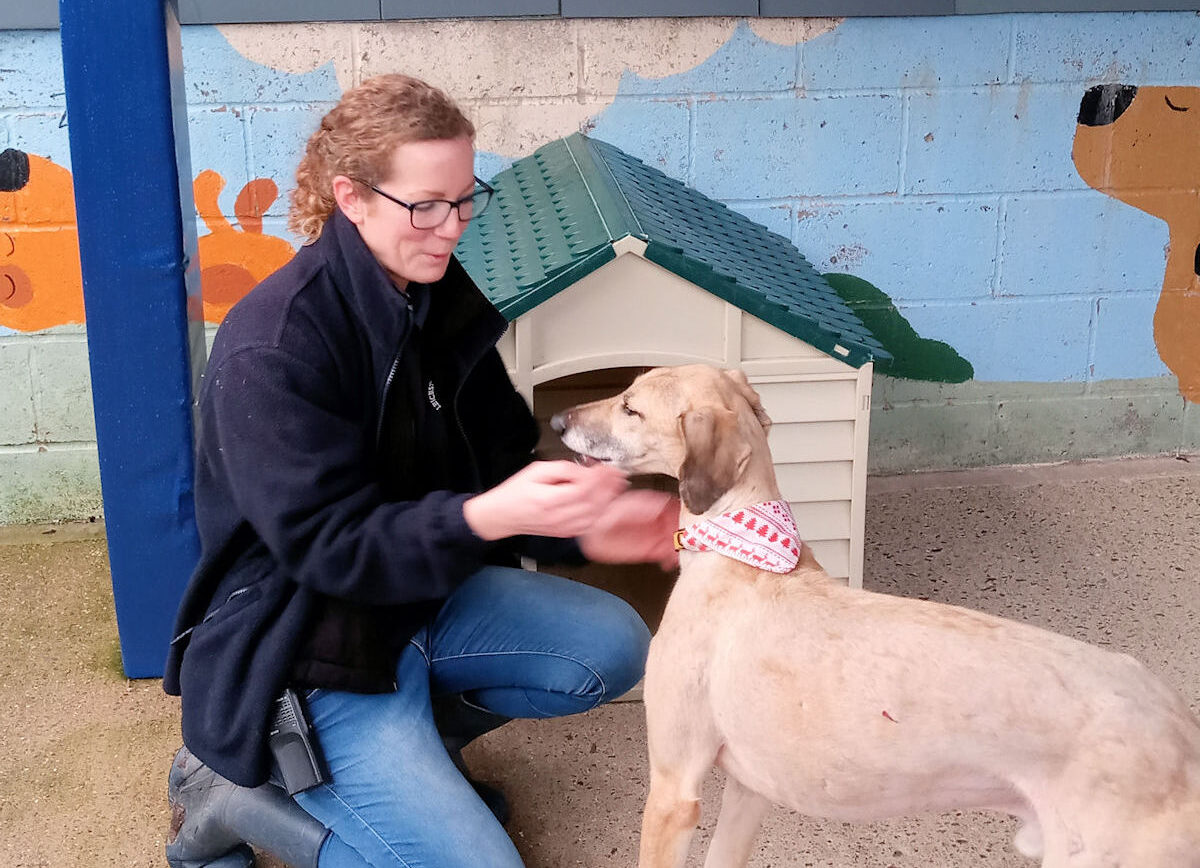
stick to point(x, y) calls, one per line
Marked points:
point(762, 535)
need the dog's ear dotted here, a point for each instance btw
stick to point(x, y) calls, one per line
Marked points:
point(738, 378)
point(714, 456)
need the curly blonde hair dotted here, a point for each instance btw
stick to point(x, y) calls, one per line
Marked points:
point(358, 137)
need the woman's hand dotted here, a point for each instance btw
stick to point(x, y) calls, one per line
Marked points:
point(638, 527)
point(546, 498)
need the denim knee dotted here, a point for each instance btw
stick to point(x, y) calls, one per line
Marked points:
point(494, 850)
point(626, 644)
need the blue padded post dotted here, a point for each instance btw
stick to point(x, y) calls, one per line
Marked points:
point(126, 118)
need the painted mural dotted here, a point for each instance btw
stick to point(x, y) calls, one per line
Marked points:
point(1141, 145)
point(1030, 261)
point(913, 357)
point(959, 191)
point(41, 285)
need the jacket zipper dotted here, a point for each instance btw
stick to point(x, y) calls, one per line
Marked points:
point(387, 387)
point(387, 384)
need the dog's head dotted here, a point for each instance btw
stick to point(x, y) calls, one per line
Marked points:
point(696, 423)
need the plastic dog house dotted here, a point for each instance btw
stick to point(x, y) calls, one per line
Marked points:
point(601, 262)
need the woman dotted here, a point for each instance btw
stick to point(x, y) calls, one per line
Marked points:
point(364, 485)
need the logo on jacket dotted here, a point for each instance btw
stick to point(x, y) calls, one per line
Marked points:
point(433, 401)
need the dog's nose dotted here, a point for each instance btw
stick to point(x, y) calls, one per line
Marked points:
point(1104, 103)
point(558, 422)
point(14, 170)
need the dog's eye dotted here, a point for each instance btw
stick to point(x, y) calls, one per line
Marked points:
point(629, 411)
point(1173, 107)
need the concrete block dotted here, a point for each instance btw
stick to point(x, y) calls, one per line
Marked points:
point(1040, 341)
point(1051, 429)
point(1124, 345)
point(477, 60)
point(50, 484)
point(1110, 247)
point(246, 64)
point(217, 137)
point(1133, 47)
point(43, 133)
point(931, 426)
point(904, 246)
point(646, 55)
point(517, 130)
point(921, 436)
point(18, 424)
point(277, 140)
point(277, 225)
point(33, 76)
point(811, 146)
point(1189, 440)
point(654, 131)
point(742, 63)
point(1028, 131)
point(62, 389)
point(887, 53)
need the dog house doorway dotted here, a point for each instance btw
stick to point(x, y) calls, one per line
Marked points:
point(644, 586)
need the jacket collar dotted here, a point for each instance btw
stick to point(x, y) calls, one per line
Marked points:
point(460, 316)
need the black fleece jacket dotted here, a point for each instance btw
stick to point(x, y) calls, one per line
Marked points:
point(320, 555)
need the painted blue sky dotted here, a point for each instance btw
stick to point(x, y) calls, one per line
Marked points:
point(930, 156)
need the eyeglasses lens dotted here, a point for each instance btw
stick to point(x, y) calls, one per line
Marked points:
point(430, 215)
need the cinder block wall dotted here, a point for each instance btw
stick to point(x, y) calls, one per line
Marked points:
point(928, 156)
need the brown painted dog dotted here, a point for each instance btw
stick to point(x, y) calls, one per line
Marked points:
point(1138, 145)
point(851, 705)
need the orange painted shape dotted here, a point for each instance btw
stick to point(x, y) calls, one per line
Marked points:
point(233, 260)
point(41, 284)
point(1177, 334)
point(1142, 150)
point(51, 195)
point(253, 202)
point(40, 281)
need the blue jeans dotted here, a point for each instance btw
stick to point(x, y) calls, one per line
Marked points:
point(517, 643)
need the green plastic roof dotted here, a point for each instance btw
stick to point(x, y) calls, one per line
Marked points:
point(558, 211)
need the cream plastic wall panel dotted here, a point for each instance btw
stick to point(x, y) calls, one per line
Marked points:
point(827, 520)
point(507, 347)
point(814, 481)
point(810, 401)
point(803, 368)
point(812, 441)
point(620, 312)
point(833, 555)
point(859, 502)
point(762, 340)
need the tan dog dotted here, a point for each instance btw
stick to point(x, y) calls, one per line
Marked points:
point(857, 706)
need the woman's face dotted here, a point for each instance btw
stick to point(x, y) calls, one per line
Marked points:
point(438, 169)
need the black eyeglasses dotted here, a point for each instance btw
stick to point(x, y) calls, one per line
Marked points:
point(432, 213)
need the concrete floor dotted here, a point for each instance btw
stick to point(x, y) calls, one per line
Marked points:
point(1108, 552)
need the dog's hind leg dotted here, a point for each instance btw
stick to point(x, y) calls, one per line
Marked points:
point(669, 821)
point(742, 811)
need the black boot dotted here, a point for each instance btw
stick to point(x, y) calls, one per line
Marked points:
point(459, 723)
point(214, 822)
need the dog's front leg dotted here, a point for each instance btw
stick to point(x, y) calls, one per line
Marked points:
point(742, 812)
point(672, 812)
